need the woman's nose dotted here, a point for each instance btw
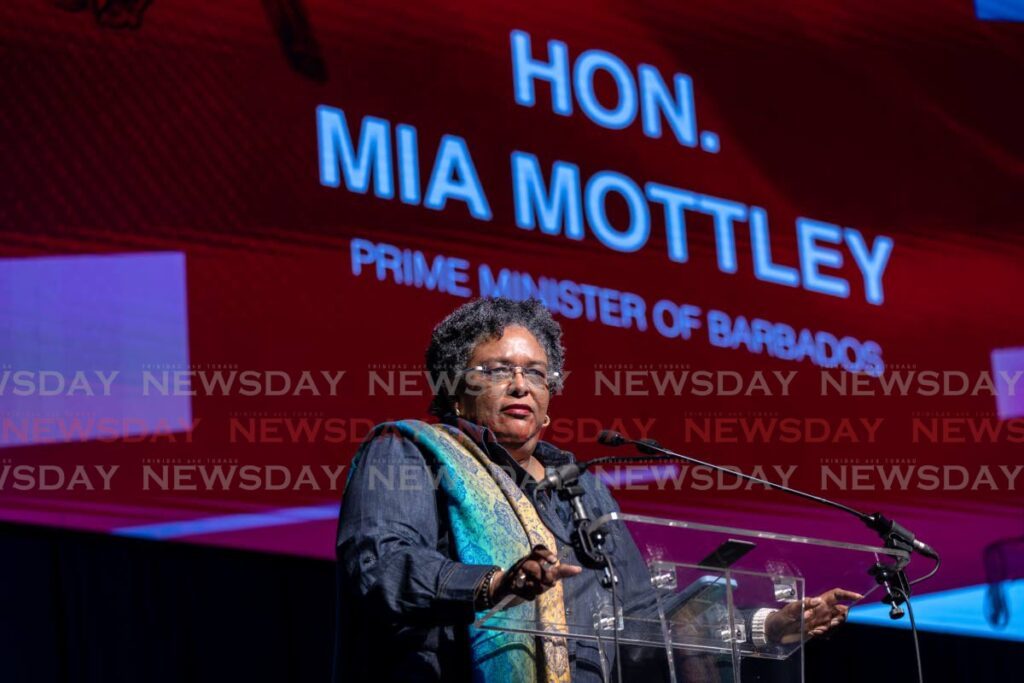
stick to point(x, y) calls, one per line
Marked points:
point(519, 383)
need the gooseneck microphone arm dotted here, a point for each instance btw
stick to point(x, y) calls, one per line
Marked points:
point(610, 438)
point(892, 532)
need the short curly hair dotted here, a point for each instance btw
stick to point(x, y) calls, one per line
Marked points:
point(455, 337)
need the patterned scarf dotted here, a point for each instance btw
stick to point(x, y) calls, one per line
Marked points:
point(493, 523)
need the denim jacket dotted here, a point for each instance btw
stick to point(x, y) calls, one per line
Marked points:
point(404, 599)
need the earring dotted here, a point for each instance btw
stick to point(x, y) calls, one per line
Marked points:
point(458, 413)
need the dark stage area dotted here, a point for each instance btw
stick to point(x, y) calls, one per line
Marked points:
point(93, 607)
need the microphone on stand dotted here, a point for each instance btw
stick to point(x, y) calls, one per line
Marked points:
point(559, 477)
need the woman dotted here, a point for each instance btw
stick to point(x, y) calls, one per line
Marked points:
point(439, 522)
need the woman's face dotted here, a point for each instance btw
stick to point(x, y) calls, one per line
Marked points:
point(515, 410)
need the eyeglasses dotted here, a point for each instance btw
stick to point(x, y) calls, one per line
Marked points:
point(538, 378)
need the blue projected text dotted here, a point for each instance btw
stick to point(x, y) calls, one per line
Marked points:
point(556, 200)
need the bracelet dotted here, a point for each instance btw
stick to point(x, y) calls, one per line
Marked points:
point(757, 627)
point(482, 597)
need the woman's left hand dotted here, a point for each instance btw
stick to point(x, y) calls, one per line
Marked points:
point(532, 575)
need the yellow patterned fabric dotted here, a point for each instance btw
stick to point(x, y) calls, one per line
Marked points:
point(483, 479)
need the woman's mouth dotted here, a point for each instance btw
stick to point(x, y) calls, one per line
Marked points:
point(518, 410)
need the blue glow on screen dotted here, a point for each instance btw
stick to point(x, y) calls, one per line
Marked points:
point(1005, 10)
point(69, 322)
point(1007, 368)
point(960, 611)
point(161, 531)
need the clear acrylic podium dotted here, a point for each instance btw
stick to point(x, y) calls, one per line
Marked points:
point(696, 621)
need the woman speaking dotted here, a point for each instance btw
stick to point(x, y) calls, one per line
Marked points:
point(442, 521)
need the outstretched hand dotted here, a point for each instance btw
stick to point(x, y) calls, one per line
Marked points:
point(820, 614)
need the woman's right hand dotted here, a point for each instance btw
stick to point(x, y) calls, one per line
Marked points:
point(531, 575)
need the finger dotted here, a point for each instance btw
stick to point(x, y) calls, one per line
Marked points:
point(547, 561)
point(534, 571)
point(810, 606)
point(567, 570)
point(519, 588)
point(812, 622)
point(541, 552)
point(811, 619)
point(550, 575)
point(560, 571)
point(528, 588)
point(526, 577)
point(843, 594)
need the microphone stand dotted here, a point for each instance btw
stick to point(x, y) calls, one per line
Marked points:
point(891, 577)
point(586, 540)
point(588, 544)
